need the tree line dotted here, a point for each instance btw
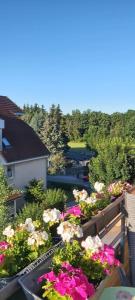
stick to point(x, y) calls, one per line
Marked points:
point(111, 137)
point(81, 125)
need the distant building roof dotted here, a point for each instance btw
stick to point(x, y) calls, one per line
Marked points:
point(79, 154)
point(8, 107)
point(23, 142)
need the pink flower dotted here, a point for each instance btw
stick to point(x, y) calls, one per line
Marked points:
point(75, 211)
point(72, 282)
point(4, 245)
point(67, 266)
point(106, 256)
point(48, 276)
point(2, 258)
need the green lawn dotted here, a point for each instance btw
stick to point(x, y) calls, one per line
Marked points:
point(76, 144)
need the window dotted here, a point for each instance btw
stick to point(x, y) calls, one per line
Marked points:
point(5, 142)
point(10, 172)
point(18, 114)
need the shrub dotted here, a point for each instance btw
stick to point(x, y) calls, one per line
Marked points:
point(30, 210)
point(34, 191)
point(54, 198)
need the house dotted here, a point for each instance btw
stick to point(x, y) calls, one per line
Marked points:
point(22, 153)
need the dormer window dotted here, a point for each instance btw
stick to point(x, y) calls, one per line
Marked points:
point(6, 143)
point(18, 114)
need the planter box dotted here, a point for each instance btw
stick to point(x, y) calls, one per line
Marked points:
point(31, 288)
point(103, 218)
point(11, 283)
point(109, 281)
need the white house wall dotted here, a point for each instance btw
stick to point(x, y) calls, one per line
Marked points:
point(26, 171)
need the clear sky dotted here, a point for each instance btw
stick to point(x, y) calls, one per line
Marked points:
point(78, 53)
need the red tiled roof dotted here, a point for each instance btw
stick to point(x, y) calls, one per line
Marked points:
point(8, 107)
point(25, 143)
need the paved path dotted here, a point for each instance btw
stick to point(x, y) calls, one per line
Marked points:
point(69, 180)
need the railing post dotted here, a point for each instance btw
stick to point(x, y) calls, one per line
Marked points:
point(122, 241)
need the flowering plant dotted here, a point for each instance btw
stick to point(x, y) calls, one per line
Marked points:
point(51, 216)
point(67, 230)
point(115, 188)
point(118, 187)
point(69, 283)
point(21, 246)
point(94, 258)
point(101, 253)
point(70, 252)
point(99, 187)
point(90, 205)
point(80, 195)
point(73, 214)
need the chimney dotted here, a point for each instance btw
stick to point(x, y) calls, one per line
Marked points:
point(2, 126)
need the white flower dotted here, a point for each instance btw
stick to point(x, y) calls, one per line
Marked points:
point(91, 200)
point(78, 231)
point(44, 235)
point(68, 231)
point(75, 193)
point(37, 238)
point(80, 195)
point(98, 186)
point(93, 244)
point(83, 195)
point(31, 241)
point(29, 226)
point(51, 215)
point(8, 231)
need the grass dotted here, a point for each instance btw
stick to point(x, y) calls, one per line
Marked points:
point(77, 144)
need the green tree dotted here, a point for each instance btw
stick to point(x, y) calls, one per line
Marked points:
point(52, 133)
point(57, 163)
point(113, 162)
point(34, 116)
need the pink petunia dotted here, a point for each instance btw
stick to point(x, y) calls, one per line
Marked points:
point(106, 255)
point(2, 258)
point(4, 245)
point(72, 282)
point(75, 211)
point(48, 276)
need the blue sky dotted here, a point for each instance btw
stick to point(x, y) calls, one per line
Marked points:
point(78, 53)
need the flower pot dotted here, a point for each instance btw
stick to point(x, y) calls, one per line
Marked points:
point(32, 289)
point(111, 280)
